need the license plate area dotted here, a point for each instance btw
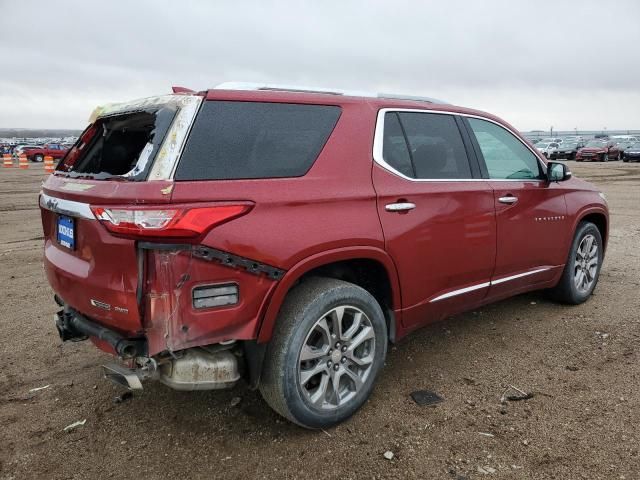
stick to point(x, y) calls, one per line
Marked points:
point(66, 232)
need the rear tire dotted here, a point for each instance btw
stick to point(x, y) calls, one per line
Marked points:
point(582, 270)
point(321, 327)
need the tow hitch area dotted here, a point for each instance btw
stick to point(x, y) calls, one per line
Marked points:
point(73, 326)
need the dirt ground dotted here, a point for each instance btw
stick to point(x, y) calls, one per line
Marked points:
point(581, 363)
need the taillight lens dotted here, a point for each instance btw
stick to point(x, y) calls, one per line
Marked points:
point(174, 222)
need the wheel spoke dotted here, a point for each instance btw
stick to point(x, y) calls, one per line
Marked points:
point(355, 326)
point(587, 276)
point(335, 386)
point(323, 327)
point(365, 334)
point(337, 315)
point(355, 378)
point(306, 375)
point(311, 353)
point(359, 361)
point(319, 396)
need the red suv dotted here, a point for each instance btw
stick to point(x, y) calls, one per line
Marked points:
point(285, 236)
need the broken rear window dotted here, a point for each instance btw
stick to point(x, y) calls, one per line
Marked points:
point(123, 145)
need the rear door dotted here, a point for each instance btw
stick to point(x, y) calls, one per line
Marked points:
point(437, 214)
point(531, 216)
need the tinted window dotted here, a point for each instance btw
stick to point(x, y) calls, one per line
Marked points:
point(232, 140)
point(506, 157)
point(435, 146)
point(395, 151)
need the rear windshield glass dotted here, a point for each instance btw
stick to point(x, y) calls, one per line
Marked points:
point(234, 140)
point(119, 146)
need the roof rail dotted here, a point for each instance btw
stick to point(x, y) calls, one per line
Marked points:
point(327, 91)
point(415, 98)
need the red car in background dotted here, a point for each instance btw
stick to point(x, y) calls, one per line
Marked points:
point(287, 235)
point(599, 150)
point(37, 154)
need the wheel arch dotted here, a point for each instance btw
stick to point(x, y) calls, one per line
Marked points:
point(600, 219)
point(369, 267)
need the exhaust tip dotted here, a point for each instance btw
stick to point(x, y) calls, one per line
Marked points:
point(125, 377)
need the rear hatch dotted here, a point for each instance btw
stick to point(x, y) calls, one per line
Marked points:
point(125, 157)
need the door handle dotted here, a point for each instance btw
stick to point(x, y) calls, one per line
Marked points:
point(399, 207)
point(508, 199)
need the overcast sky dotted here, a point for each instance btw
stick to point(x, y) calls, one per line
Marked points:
point(537, 63)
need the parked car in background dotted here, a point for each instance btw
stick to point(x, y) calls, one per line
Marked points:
point(37, 154)
point(154, 254)
point(546, 149)
point(624, 145)
point(22, 149)
point(598, 150)
point(624, 138)
point(632, 153)
point(567, 150)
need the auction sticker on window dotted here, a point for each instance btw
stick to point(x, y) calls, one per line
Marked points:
point(66, 233)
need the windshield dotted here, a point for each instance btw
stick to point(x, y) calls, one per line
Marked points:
point(595, 143)
point(542, 145)
point(635, 146)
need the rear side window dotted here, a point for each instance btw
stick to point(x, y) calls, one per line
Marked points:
point(236, 140)
point(120, 145)
point(430, 142)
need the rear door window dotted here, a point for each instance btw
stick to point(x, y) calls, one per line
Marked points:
point(425, 146)
point(243, 140)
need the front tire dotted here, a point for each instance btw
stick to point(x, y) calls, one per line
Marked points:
point(328, 347)
point(38, 158)
point(582, 270)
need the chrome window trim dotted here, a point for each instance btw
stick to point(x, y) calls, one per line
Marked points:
point(378, 140)
point(460, 291)
point(66, 207)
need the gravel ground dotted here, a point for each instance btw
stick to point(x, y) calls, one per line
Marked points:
point(581, 364)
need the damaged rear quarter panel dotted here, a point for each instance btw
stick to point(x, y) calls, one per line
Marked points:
point(171, 322)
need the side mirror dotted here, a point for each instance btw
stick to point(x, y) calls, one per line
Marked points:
point(557, 172)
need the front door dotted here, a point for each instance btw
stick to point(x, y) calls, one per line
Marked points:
point(436, 213)
point(531, 215)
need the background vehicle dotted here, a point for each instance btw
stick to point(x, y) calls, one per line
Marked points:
point(632, 153)
point(174, 259)
point(567, 150)
point(599, 150)
point(37, 154)
point(547, 148)
point(22, 149)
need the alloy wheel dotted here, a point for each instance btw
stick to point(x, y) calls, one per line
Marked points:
point(586, 263)
point(336, 357)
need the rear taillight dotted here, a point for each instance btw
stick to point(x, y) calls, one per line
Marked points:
point(171, 221)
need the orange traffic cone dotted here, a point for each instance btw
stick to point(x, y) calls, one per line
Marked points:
point(23, 163)
point(7, 161)
point(49, 167)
